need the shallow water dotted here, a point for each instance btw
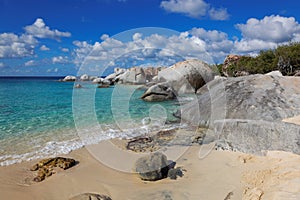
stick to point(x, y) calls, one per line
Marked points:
point(41, 117)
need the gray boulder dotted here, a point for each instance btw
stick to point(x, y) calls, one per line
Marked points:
point(70, 79)
point(134, 75)
point(90, 196)
point(152, 167)
point(255, 97)
point(246, 112)
point(256, 136)
point(187, 76)
point(159, 92)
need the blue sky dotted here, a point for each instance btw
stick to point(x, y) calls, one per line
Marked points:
point(61, 37)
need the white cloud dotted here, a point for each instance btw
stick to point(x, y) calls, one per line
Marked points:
point(30, 63)
point(44, 48)
point(270, 28)
point(104, 37)
point(60, 60)
point(195, 9)
point(192, 8)
point(1, 64)
point(218, 14)
point(266, 33)
point(196, 43)
point(64, 49)
point(14, 46)
point(40, 30)
point(211, 46)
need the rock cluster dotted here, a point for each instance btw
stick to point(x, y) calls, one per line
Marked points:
point(46, 167)
point(134, 75)
point(183, 77)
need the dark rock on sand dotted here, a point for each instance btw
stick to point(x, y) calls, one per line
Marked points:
point(46, 167)
point(173, 173)
point(90, 196)
point(152, 167)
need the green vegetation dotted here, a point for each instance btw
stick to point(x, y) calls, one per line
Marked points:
point(285, 58)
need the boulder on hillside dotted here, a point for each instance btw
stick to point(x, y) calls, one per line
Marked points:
point(70, 79)
point(230, 60)
point(187, 76)
point(159, 92)
point(152, 167)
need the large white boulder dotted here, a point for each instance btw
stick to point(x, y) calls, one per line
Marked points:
point(70, 78)
point(187, 76)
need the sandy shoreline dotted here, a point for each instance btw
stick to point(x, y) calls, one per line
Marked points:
point(220, 175)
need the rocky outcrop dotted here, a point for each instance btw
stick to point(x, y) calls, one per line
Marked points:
point(229, 61)
point(152, 167)
point(246, 112)
point(69, 79)
point(46, 167)
point(187, 76)
point(255, 97)
point(257, 136)
point(90, 196)
point(134, 75)
point(159, 92)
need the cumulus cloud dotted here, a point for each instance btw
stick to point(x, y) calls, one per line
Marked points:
point(40, 30)
point(155, 48)
point(60, 60)
point(44, 48)
point(211, 46)
point(272, 28)
point(14, 46)
point(194, 9)
point(267, 33)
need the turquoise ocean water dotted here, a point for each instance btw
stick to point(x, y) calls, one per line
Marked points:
point(42, 117)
